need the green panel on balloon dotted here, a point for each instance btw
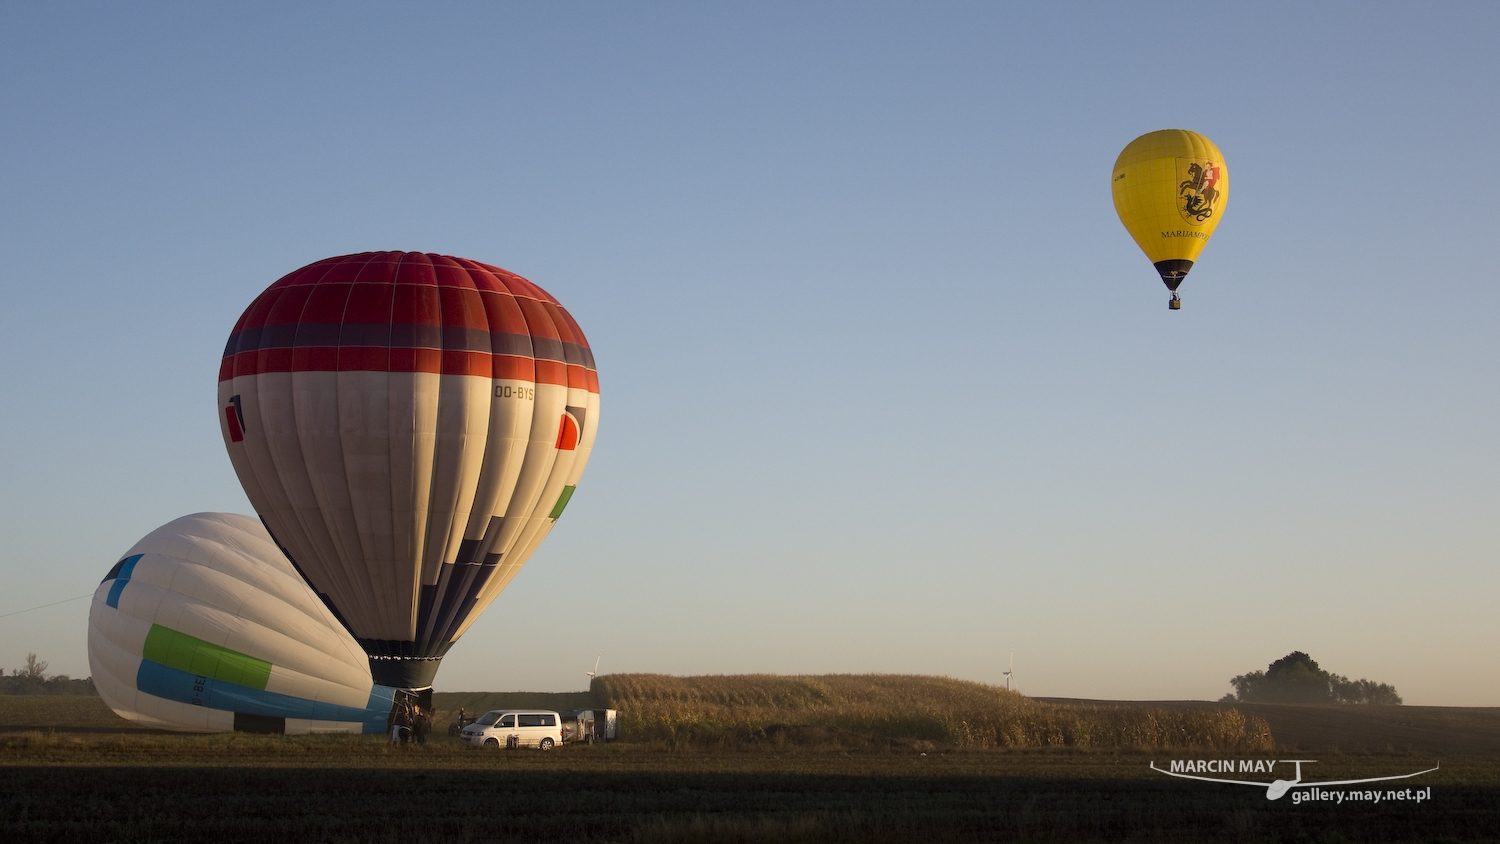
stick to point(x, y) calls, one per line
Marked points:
point(562, 501)
point(205, 659)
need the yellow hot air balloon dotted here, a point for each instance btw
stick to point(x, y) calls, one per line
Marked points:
point(1170, 188)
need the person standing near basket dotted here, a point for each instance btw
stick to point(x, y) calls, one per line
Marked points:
point(422, 724)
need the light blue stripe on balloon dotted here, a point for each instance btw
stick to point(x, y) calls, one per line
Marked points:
point(156, 679)
point(127, 566)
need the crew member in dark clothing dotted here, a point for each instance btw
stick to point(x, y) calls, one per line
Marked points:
point(422, 724)
point(400, 723)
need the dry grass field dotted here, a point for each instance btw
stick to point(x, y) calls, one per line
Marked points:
point(872, 710)
point(72, 771)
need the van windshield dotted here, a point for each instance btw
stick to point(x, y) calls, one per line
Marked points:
point(488, 719)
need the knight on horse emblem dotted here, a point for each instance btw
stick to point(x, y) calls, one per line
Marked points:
point(1197, 193)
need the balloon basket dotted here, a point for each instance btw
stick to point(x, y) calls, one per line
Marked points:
point(1175, 304)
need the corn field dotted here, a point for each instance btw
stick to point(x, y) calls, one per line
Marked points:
point(874, 710)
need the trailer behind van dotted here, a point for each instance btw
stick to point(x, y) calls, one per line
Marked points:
point(590, 725)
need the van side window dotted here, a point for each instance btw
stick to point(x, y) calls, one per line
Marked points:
point(508, 721)
point(532, 721)
point(548, 721)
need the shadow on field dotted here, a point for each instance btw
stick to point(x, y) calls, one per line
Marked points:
point(98, 804)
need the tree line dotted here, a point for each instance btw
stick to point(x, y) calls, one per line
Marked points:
point(33, 680)
point(1296, 678)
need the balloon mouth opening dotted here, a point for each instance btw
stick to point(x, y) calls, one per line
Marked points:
point(404, 665)
point(1173, 272)
point(404, 672)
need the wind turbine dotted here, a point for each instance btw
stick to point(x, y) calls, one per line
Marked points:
point(595, 672)
point(1010, 672)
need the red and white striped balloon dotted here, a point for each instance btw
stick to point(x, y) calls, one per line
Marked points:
point(409, 426)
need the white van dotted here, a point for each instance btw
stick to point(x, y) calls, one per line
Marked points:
point(514, 728)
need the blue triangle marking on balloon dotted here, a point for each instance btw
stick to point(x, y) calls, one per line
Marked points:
point(127, 568)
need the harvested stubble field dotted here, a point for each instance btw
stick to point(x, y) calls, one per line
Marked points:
point(69, 773)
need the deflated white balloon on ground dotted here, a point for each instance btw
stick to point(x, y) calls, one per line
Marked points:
point(205, 626)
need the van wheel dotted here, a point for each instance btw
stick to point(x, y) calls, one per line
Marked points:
point(544, 744)
point(491, 744)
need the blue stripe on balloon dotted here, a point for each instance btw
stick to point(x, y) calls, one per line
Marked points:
point(159, 680)
point(127, 566)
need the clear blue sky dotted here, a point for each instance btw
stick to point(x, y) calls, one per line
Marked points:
point(886, 386)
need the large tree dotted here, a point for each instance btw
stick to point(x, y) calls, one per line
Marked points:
point(1296, 678)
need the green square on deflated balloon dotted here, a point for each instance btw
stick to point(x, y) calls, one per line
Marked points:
point(205, 659)
point(562, 501)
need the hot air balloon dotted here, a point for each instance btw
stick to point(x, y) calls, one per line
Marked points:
point(204, 626)
point(409, 426)
point(1170, 188)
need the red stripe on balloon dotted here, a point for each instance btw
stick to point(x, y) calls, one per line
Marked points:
point(578, 377)
point(513, 368)
point(364, 359)
point(551, 372)
point(567, 434)
point(235, 434)
point(315, 359)
point(273, 360)
point(416, 360)
point(467, 363)
point(376, 359)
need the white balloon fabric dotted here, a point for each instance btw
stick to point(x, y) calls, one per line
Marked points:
point(204, 626)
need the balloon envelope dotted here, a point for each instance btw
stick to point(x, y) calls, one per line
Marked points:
point(409, 426)
point(205, 626)
point(1170, 188)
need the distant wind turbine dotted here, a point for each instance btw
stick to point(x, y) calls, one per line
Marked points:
point(1010, 673)
point(595, 672)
